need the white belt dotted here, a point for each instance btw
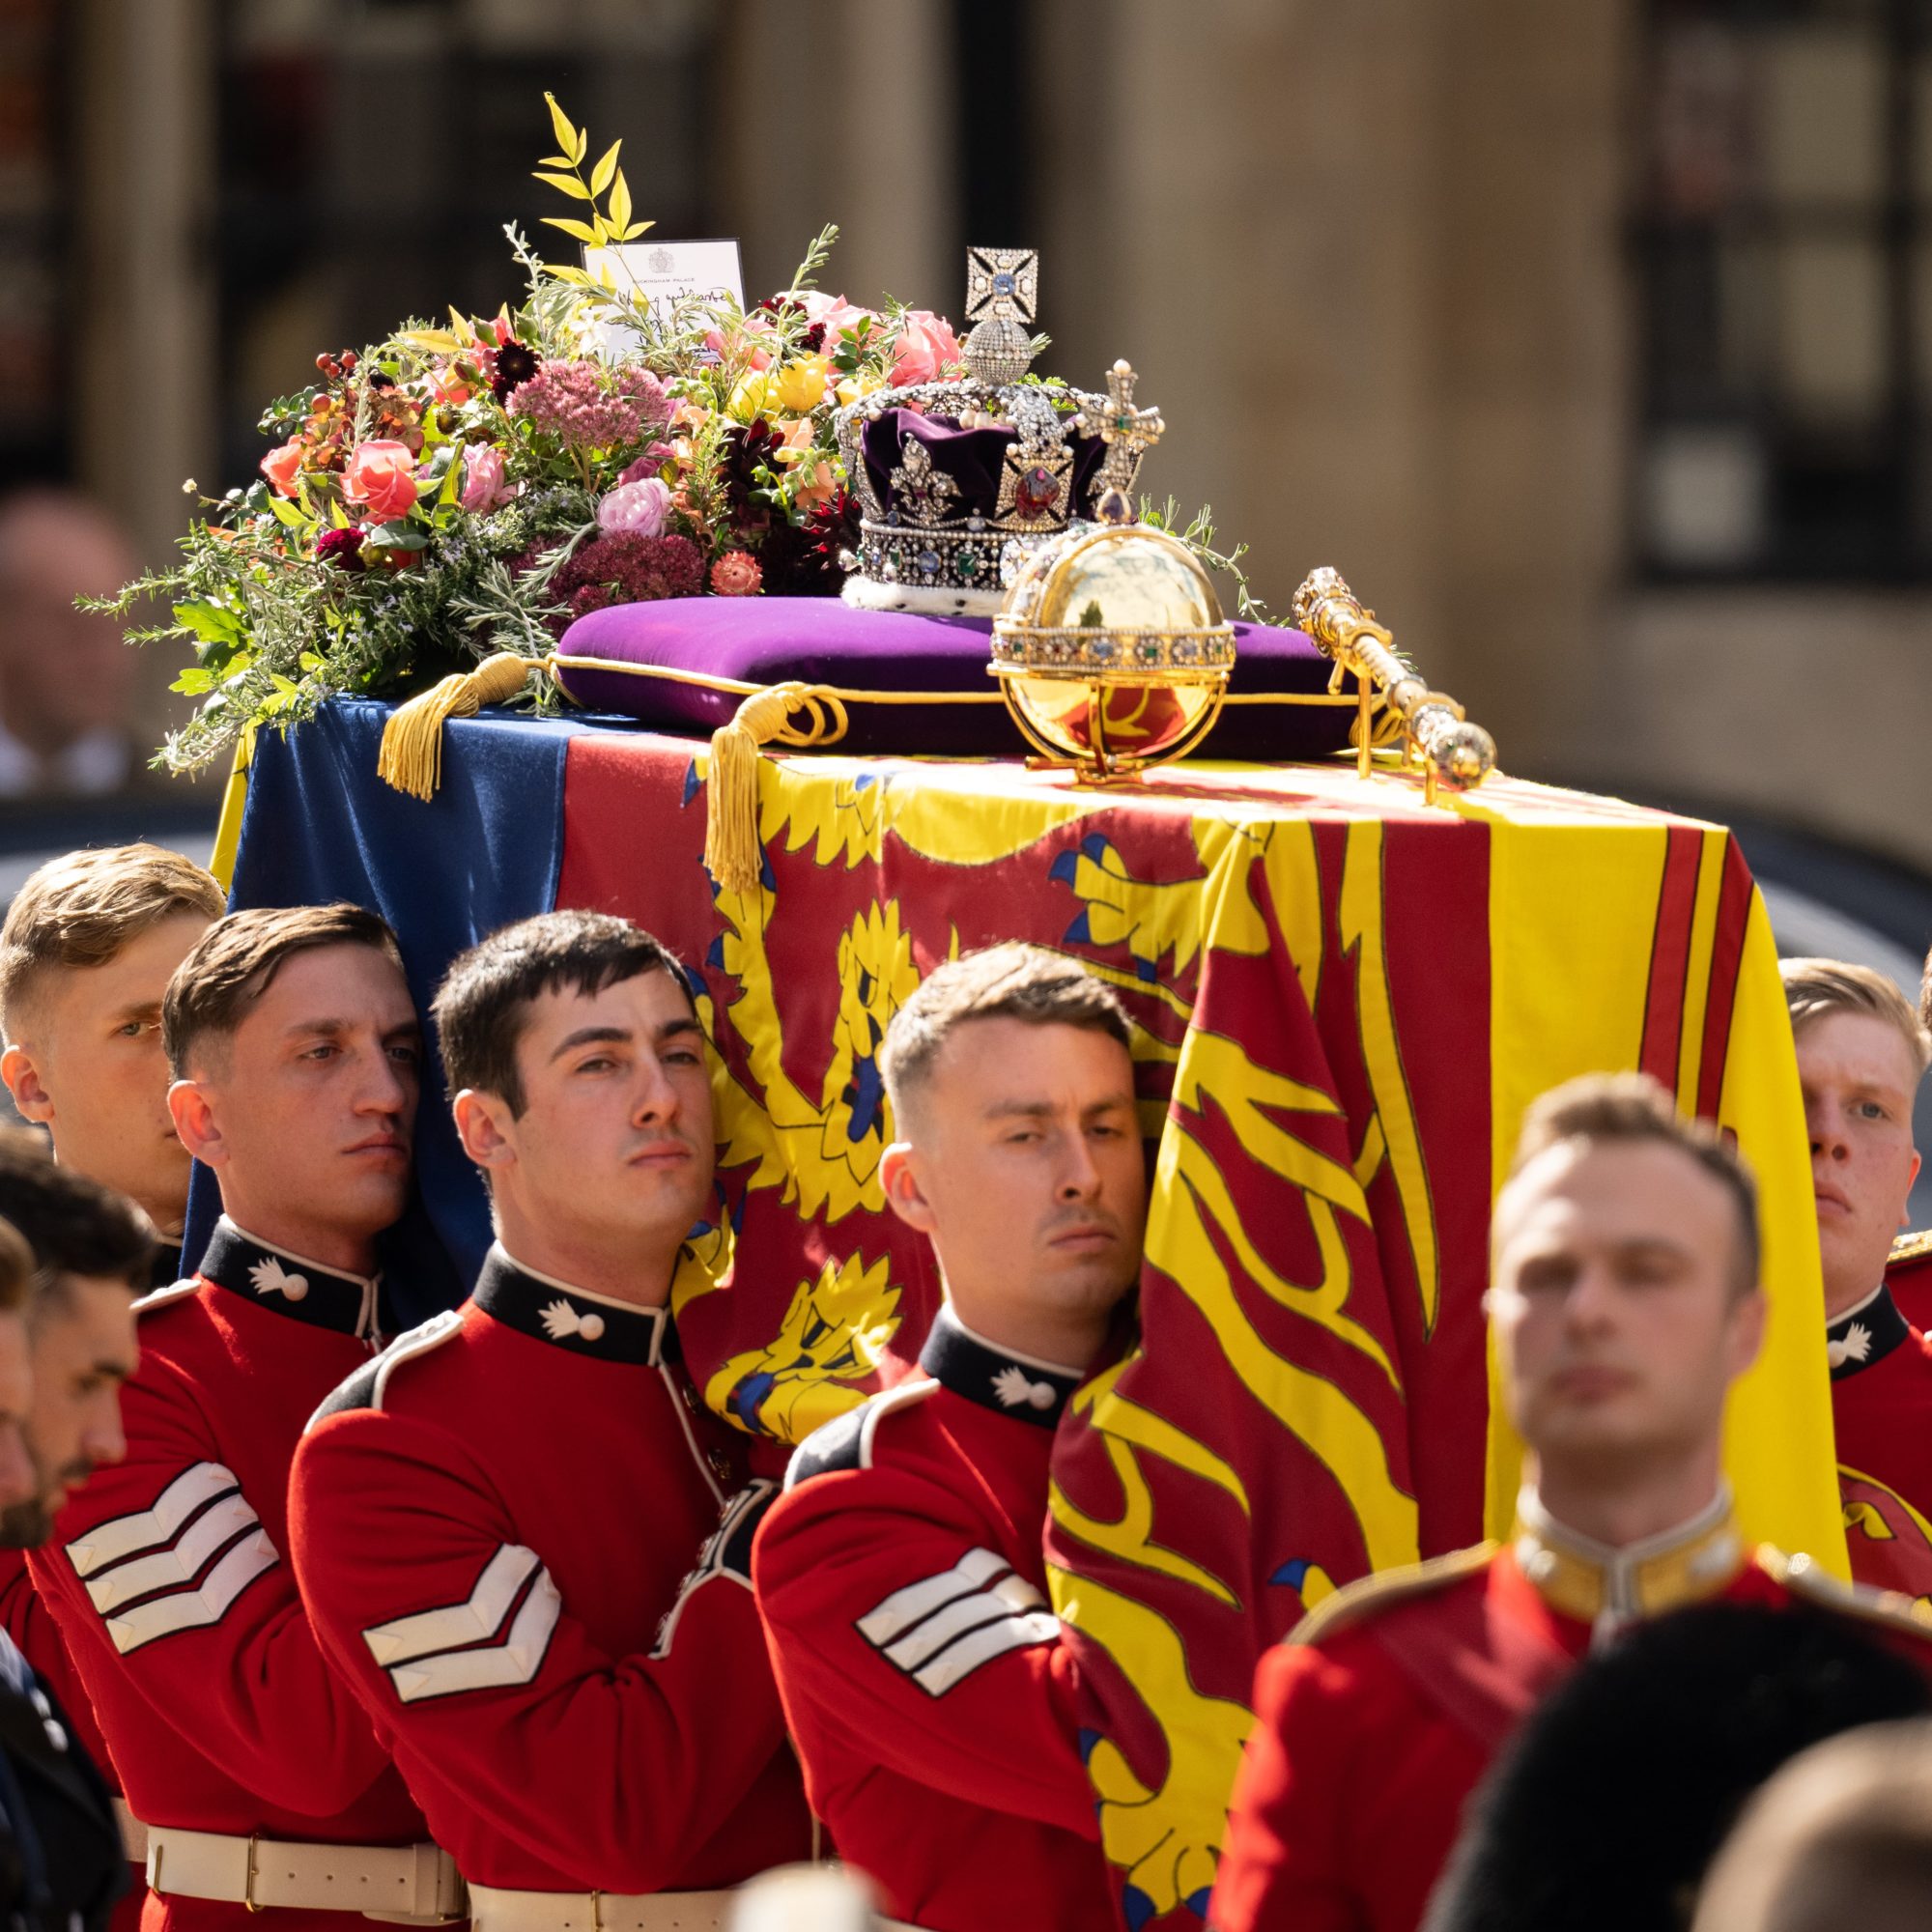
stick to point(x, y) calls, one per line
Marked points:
point(133, 1833)
point(495, 1911)
point(404, 1884)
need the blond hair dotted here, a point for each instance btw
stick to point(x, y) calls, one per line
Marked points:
point(82, 909)
point(1816, 988)
point(1009, 981)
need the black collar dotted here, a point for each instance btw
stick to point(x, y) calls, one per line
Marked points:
point(571, 1318)
point(1009, 1383)
point(290, 1284)
point(1865, 1334)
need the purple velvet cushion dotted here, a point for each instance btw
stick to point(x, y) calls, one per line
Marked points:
point(819, 641)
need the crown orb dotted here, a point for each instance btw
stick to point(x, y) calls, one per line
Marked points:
point(997, 350)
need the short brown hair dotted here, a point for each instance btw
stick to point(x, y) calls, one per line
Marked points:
point(1814, 988)
point(71, 1224)
point(481, 1007)
point(16, 1269)
point(236, 960)
point(1632, 1109)
point(1011, 981)
point(84, 908)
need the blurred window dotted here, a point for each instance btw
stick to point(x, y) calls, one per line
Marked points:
point(1784, 290)
point(372, 150)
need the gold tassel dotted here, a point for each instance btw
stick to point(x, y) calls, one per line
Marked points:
point(412, 755)
point(732, 852)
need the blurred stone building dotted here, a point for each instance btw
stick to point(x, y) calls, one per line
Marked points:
point(1592, 340)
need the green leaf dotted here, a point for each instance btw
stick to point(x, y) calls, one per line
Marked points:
point(211, 623)
point(564, 183)
point(636, 229)
point(396, 536)
point(556, 161)
point(560, 121)
point(583, 146)
point(194, 682)
point(439, 341)
point(309, 662)
point(606, 166)
point(620, 203)
point(580, 231)
point(287, 513)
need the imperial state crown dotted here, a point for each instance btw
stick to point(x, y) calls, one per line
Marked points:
point(958, 480)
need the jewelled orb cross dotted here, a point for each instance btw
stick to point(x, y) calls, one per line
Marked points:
point(1125, 431)
point(1002, 284)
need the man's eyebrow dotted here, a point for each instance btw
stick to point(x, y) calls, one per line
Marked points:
point(296, 1028)
point(1031, 1110)
point(687, 1023)
point(138, 1009)
point(609, 1036)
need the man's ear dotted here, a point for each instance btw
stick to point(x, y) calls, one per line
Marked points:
point(195, 1123)
point(485, 1127)
point(21, 1072)
point(901, 1180)
point(1753, 1310)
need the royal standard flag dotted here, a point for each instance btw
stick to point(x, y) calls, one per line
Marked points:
point(1343, 998)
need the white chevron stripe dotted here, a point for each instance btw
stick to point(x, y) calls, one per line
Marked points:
point(123, 1535)
point(454, 1625)
point(515, 1661)
point(981, 1646)
point(168, 1569)
point(934, 1633)
point(905, 1607)
point(188, 1609)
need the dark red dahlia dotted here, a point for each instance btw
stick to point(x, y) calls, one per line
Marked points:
point(622, 567)
point(342, 548)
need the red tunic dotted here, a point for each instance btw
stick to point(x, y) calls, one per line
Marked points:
point(1374, 1724)
point(1909, 1276)
point(508, 1531)
point(904, 1593)
point(166, 1576)
point(1882, 1413)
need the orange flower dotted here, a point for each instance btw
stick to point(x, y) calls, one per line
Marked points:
point(281, 465)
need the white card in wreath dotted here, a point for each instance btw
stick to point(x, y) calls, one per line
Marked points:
point(665, 273)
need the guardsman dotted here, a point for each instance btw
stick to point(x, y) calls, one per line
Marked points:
point(1909, 1271)
point(262, 1784)
point(524, 1542)
point(1861, 1053)
point(90, 942)
point(89, 945)
point(902, 1574)
point(1625, 1303)
point(91, 1251)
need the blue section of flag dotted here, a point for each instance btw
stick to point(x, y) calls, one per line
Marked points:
point(319, 825)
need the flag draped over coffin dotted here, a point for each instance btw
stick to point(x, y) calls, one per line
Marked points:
point(1342, 1002)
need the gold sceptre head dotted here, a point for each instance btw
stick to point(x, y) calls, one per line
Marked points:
point(1452, 751)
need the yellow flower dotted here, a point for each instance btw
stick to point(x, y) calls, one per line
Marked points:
point(852, 387)
point(751, 398)
point(800, 386)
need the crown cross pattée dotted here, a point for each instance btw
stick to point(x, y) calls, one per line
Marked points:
point(1002, 284)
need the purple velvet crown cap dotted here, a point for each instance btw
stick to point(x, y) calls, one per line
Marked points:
point(972, 458)
point(763, 640)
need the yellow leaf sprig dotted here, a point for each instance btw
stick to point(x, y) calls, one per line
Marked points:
point(609, 224)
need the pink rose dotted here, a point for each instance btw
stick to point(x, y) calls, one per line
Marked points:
point(483, 484)
point(280, 465)
point(639, 507)
point(736, 573)
point(834, 314)
point(925, 346)
point(740, 339)
point(382, 476)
